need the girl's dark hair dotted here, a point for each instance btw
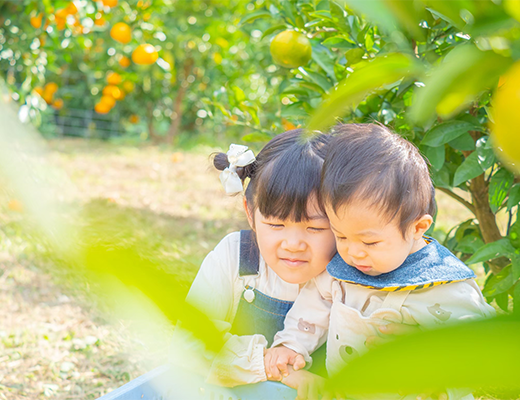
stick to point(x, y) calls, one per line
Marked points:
point(286, 173)
point(367, 162)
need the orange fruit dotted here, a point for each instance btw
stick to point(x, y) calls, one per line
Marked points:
point(110, 3)
point(101, 108)
point(288, 126)
point(144, 54)
point(100, 21)
point(71, 8)
point(109, 89)
point(15, 205)
point(61, 23)
point(128, 86)
point(57, 104)
point(36, 21)
point(113, 78)
point(124, 62)
point(504, 131)
point(50, 88)
point(118, 94)
point(39, 90)
point(108, 101)
point(61, 14)
point(291, 49)
point(134, 119)
point(121, 33)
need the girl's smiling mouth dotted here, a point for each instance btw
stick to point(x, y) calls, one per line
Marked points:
point(293, 262)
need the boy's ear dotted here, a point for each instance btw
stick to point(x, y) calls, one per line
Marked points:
point(421, 225)
point(249, 215)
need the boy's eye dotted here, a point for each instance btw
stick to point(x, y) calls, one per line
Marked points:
point(275, 225)
point(314, 229)
point(341, 238)
point(370, 244)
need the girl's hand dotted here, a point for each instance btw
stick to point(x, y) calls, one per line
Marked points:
point(309, 386)
point(277, 359)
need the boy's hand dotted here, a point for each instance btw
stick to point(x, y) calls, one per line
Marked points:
point(276, 360)
point(390, 330)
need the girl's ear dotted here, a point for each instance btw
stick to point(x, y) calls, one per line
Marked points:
point(421, 225)
point(249, 214)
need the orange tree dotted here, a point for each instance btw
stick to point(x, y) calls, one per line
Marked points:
point(156, 60)
point(429, 70)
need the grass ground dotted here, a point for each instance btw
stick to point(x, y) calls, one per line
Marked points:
point(59, 338)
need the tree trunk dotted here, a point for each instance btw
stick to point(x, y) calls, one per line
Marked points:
point(154, 137)
point(173, 130)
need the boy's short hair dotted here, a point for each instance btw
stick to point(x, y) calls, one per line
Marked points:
point(367, 162)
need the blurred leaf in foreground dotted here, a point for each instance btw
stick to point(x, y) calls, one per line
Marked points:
point(446, 358)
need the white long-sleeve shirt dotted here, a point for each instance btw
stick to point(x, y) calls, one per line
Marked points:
point(216, 291)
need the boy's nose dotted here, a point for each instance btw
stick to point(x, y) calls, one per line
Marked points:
point(356, 251)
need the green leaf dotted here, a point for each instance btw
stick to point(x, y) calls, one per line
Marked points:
point(441, 178)
point(499, 283)
point(516, 300)
point(339, 17)
point(274, 29)
point(469, 244)
point(469, 169)
point(382, 71)
point(376, 11)
point(294, 110)
point(322, 57)
point(514, 196)
point(486, 156)
point(317, 78)
point(515, 266)
point(446, 132)
point(435, 155)
point(354, 56)
point(492, 250)
point(493, 342)
point(464, 143)
point(312, 86)
point(251, 17)
point(338, 43)
point(502, 301)
point(256, 137)
point(499, 186)
point(456, 82)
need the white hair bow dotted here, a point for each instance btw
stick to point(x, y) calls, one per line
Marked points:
point(238, 156)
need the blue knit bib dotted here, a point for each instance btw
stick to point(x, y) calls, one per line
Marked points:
point(430, 266)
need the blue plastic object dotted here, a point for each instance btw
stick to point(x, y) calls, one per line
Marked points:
point(171, 383)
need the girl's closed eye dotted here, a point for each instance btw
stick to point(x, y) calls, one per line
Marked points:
point(370, 244)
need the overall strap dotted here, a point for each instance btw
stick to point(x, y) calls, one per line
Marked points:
point(395, 300)
point(249, 254)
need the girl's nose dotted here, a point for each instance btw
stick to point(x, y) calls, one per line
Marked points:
point(293, 243)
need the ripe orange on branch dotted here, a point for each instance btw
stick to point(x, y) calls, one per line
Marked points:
point(291, 49)
point(114, 78)
point(101, 108)
point(110, 3)
point(144, 54)
point(124, 62)
point(504, 132)
point(36, 21)
point(121, 33)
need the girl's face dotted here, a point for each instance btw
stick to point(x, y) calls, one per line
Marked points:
point(296, 251)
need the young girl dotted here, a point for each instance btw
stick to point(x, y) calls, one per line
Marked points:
point(250, 280)
point(379, 198)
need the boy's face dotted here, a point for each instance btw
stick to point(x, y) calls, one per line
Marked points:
point(296, 251)
point(367, 242)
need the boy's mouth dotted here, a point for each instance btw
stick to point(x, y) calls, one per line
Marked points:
point(363, 268)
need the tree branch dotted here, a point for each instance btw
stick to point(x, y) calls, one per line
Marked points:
point(455, 196)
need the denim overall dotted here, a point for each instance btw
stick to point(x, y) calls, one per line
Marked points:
point(262, 314)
